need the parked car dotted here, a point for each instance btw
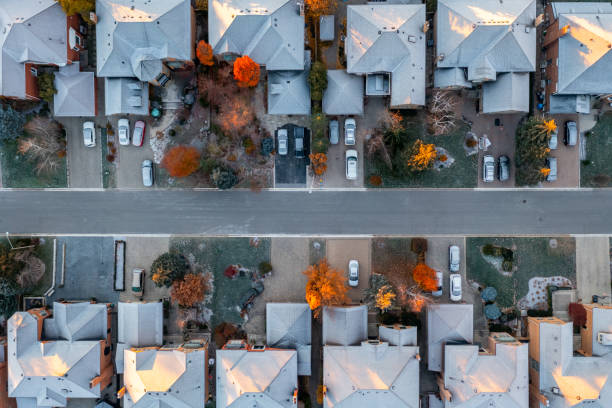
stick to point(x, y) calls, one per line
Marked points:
point(333, 131)
point(349, 131)
point(455, 287)
point(138, 282)
point(551, 163)
point(571, 133)
point(298, 133)
point(353, 272)
point(488, 169)
point(454, 258)
point(503, 168)
point(440, 284)
point(89, 134)
point(123, 129)
point(553, 141)
point(283, 142)
point(139, 132)
point(147, 173)
point(351, 164)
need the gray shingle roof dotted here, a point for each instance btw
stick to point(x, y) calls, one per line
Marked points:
point(289, 92)
point(584, 53)
point(486, 37)
point(389, 38)
point(344, 93)
point(262, 379)
point(560, 368)
point(165, 378)
point(126, 95)
point(32, 31)
point(76, 95)
point(67, 358)
point(450, 78)
point(288, 325)
point(371, 375)
point(271, 32)
point(509, 93)
point(475, 380)
point(133, 36)
point(447, 323)
point(138, 325)
point(345, 325)
point(398, 335)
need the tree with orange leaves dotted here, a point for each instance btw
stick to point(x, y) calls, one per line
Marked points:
point(234, 115)
point(317, 8)
point(425, 277)
point(190, 290)
point(181, 161)
point(326, 286)
point(421, 157)
point(246, 72)
point(318, 161)
point(204, 53)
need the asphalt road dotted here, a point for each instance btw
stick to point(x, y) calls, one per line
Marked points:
point(423, 212)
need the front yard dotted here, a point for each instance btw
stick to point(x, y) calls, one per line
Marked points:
point(18, 172)
point(532, 257)
point(596, 170)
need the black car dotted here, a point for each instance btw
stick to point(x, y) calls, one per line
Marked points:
point(298, 134)
point(503, 168)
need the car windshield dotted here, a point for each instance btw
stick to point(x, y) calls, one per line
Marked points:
point(88, 134)
point(456, 291)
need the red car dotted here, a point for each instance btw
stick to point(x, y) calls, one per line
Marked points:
point(139, 131)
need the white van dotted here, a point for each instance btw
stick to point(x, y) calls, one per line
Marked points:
point(138, 282)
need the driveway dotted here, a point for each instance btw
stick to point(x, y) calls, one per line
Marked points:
point(341, 251)
point(289, 170)
point(289, 258)
point(84, 163)
point(140, 252)
point(592, 267)
point(568, 157)
point(129, 158)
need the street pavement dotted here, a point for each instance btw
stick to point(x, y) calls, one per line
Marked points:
point(398, 212)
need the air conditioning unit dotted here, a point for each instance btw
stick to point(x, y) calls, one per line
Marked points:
point(605, 339)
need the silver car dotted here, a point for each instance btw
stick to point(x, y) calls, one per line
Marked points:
point(571, 133)
point(503, 168)
point(123, 129)
point(333, 132)
point(147, 173)
point(349, 131)
point(89, 134)
point(454, 258)
point(283, 142)
point(488, 169)
point(351, 164)
point(455, 287)
point(353, 272)
point(551, 162)
point(554, 140)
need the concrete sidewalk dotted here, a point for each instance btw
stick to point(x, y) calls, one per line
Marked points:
point(592, 267)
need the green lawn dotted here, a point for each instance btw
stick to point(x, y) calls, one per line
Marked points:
point(533, 257)
point(598, 173)
point(18, 172)
point(462, 174)
point(216, 254)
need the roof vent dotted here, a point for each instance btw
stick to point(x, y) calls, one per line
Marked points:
point(412, 39)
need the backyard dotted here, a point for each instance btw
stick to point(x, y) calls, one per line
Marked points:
point(532, 257)
point(596, 170)
point(214, 255)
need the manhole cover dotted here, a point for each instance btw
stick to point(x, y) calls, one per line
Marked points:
point(552, 243)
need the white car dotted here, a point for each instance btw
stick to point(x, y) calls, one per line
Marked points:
point(353, 272)
point(453, 258)
point(554, 140)
point(139, 132)
point(89, 134)
point(123, 129)
point(351, 164)
point(488, 169)
point(455, 287)
point(333, 131)
point(440, 284)
point(147, 173)
point(349, 131)
point(283, 142)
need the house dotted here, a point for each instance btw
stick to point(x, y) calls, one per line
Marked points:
point(138, 325)
point(344, 325)
point(386, 44)
point(168, 376)
point(578, 55)
point(559, 377)
point(344, 93)
point(288, 326)
point(447, 324)
point(76, 92)
point(34, 33)
point(144, 39)
point(483, 43)
point(374, 373)
point(54, 356)
point(249, 376)
point(126, 96)
point(271, 32)
point(5, 401)
point(289, 91)
point(497, 377)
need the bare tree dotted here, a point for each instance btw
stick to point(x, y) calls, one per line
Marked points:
point(442, 117)
point(376, 144)
point(45, 144)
